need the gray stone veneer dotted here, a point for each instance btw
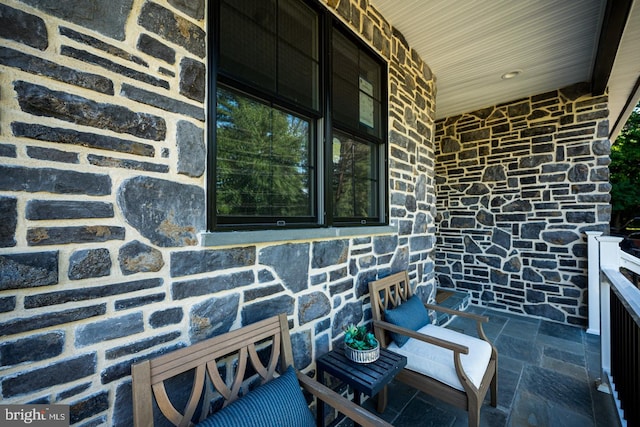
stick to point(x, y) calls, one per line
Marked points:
point(518, 185)
point(102, 204)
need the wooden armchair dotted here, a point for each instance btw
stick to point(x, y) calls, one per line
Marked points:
point(202, 364)
point(453, 367)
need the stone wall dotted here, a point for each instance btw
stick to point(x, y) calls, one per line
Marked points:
point(518, 185)
point(102, 202)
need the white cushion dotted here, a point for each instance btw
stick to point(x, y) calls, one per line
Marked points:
point(437, 362)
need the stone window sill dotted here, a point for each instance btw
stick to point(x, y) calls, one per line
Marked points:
point(235, 238)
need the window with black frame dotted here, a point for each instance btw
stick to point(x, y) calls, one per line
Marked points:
point(299, 138)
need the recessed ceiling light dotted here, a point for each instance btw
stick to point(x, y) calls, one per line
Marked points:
point(511, 74)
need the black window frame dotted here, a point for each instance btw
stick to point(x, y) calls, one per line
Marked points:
point(321, 133)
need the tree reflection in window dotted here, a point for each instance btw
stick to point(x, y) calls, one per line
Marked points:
point(263, 160)
point(354, 177)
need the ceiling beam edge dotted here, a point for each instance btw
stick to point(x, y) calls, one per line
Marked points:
point(621, 120)
point(613, 24)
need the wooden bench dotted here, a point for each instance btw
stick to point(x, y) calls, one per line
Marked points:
point(238, 355)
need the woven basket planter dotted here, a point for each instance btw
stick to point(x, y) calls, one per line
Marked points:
point(362, 356)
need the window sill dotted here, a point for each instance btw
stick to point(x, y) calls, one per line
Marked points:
point(234, 238)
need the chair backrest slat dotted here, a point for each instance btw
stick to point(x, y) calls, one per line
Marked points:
point(388, 293)
point(234, 350)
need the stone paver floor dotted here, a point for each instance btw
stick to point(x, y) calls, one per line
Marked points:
point(546, 377)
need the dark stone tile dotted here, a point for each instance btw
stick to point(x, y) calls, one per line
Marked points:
point(163, 102)
point(565, 332)
point(519, 349)
point(40, 236)
point(41, 321)
point(592, 342)
point(567, 368)
point(532, 410)
point(604, 409)
point(28, 270)
point(476, 309)
point(88, 407)
point(173, 28)
point(32, 180)
point(565, 345)
point(67, 209)
point(42, 101)
point(565, 356)
point(463, 325)
point(507, 388)
point(492, 331)
point(559, 389)
point(34, 65)
point(492, 417)
point(106, 17)
point(99, 44)
point(109, 329)
point(506, 363)
point(594, 366)
point(23, 27)
point(83, 294)
point(53, 155)
point(371, 405)
point(85, 139)
point(113, 162)
point(107, 64)
point(519, 328)
point(157, 49)
point(398, 395)
point(489, 417)
point(419, 413)
point(32, 349)
point(62, 372)
point(147, 204)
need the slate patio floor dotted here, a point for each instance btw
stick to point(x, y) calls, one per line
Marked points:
point(546, 377)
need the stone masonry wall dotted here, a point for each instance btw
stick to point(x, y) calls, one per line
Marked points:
point(518, 185)
point(102, 200)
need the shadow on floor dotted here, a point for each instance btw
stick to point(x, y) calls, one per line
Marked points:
point(547, 376)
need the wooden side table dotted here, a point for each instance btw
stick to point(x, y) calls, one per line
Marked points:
point(367, 378)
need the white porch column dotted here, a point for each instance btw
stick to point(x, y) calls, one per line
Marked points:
point(594, 281)
point(609, 258)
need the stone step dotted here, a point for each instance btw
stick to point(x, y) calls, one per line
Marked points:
point(453, 299)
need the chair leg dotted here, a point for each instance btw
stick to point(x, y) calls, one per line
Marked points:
point(494, 390)
point(382, 399)
point(474, 413)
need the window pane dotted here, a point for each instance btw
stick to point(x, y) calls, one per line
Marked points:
point(356, 87)
point(345, 80)
point(298, 77)
point(355, 177)
point(298, 26)
point(298, 62)
point(248, 41)
point(263, 160)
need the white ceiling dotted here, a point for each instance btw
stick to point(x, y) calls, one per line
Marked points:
point(470, 44)
point(626, 72)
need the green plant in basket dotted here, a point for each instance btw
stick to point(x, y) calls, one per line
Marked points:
point(359, 338)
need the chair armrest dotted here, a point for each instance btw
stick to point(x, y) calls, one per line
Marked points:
point(426, 338)
point(355, 412)
point(476, 317)
point(479, 319)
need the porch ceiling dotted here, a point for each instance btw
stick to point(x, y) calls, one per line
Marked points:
point(469, 45)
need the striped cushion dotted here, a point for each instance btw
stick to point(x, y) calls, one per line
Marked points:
point(277, 403)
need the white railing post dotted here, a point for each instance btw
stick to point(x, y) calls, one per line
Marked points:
point(609, 258)
point(594, 281)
